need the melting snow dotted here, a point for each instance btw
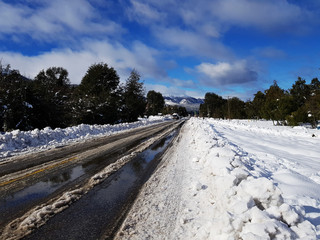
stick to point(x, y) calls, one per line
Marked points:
point(232, 180)
point(17, 142)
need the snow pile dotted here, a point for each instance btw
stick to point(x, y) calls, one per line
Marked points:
point(245, 203)
point(210, 187)
point(267, 127)
point(15, 142)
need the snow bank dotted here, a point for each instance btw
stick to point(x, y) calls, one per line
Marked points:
point(245, 203)
point(15, 142)
point(211, 188)
point(267, 127)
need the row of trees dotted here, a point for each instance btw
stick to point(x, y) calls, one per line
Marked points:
point(299, 104)
point(51, 100)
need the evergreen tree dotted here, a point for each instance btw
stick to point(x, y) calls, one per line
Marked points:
point(155, 103)
point(51, 96)
point(250, 112)
point(99, 96)
point(213, 106)
point(236, 108)
point(181, 111)
point(271, 108)
point(313, 103)
point(300, 92)
point(134, 100)
point(15, 106)
point(286, 105)
point(258, 103)
point(315, 85)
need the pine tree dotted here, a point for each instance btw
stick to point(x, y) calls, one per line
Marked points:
point(213, 106)
point(51, 96)
point(300, 92)
point(134, 100)
point(99, 95)
point(15, 107)
point(155, 103)
point(271, 107)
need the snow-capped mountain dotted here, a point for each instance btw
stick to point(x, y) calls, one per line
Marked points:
point(190, 103)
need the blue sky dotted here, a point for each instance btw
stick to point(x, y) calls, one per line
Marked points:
point(230, 47)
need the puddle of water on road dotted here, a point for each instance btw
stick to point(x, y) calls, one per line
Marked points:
point(98, 209)
point(40, 190)
point(35, 192)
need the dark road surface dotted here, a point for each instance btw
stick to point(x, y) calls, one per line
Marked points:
point(96, 214)
point(29, 181)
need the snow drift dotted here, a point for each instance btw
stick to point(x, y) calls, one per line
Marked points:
point(17, 142)
point(220, 181)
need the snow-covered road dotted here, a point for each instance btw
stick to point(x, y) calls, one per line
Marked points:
point(232, 180)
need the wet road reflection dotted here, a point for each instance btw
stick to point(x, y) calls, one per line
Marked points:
point(99, 209)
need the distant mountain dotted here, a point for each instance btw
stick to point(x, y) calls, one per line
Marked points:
point(190, 103)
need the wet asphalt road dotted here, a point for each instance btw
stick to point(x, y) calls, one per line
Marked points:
point(19, 196)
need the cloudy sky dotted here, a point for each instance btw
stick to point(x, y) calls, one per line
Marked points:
point(190, 47)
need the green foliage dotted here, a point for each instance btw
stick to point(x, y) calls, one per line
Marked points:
point(134, 100)
point(100, 81)
point(98, 96)
point(271, 109)
point(257, 104)
point(313, 106)
point(301, 104)
point(236, 108)
point(300, 91)
point(51, 94)
point(315, 85)
point(217, 107)
point(15, 102)
point(297, 117)
point(50, 99)
point(155, 103)
point(286, 106)
point(213, 106)
point(181, 111)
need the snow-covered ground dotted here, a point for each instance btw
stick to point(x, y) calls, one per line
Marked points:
point(17, 142)
point(232, 180)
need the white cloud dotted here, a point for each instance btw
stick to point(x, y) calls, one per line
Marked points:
point(218, 15)
point(180, 29)
point(270, 52)
point(273, 15)
point(139, 56)
point(224, 73)
point(183, 83)
point(143, 12)
point(190, 43)
point(54, 20)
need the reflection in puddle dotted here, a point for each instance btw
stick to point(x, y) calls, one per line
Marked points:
point(103, 203)
point(38, 191)
point(148, 155)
